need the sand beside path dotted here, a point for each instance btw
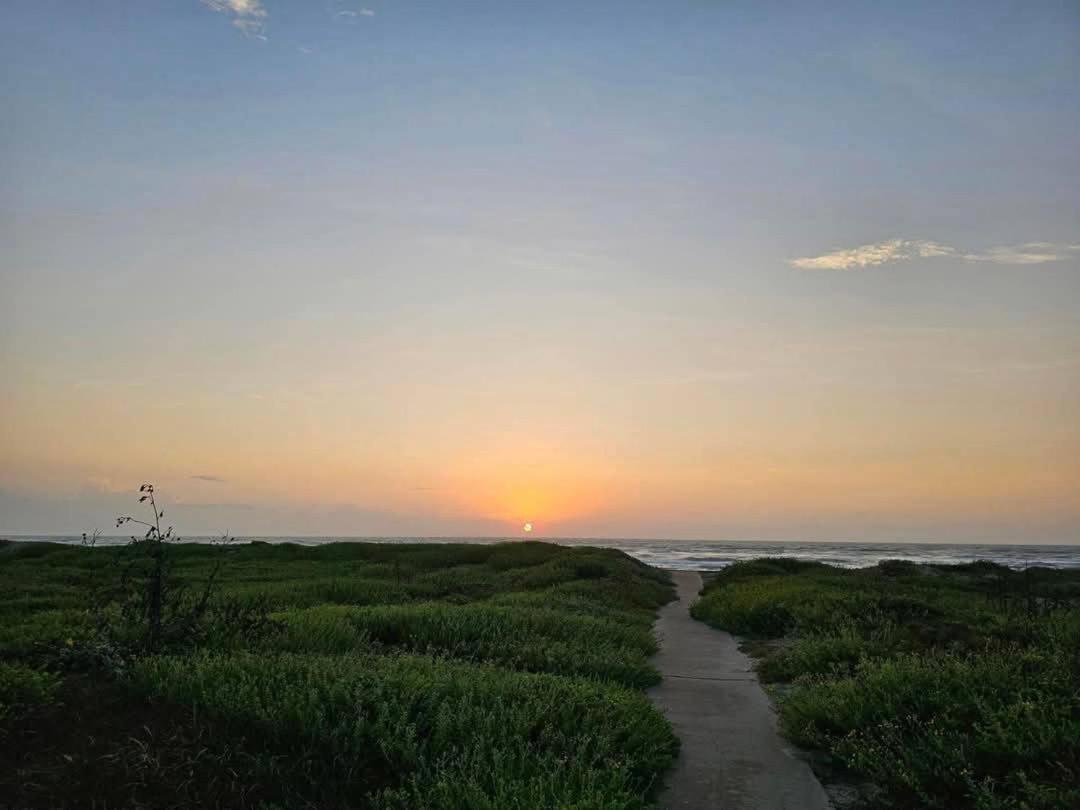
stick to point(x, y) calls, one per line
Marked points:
point(732, 756)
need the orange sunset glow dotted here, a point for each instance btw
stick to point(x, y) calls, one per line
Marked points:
point(605, 302)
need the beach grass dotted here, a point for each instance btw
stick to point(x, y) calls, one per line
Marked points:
point(938, 686)
point(393, 676)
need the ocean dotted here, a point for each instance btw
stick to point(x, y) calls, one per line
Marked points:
point(707, 555)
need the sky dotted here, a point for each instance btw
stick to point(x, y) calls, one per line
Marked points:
point(733, 270)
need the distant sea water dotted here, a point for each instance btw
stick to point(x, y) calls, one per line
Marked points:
point(704, 555)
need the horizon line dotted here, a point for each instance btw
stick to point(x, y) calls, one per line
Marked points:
point(16, 537)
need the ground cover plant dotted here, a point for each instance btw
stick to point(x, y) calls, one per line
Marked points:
point(942, 686)
point(384, 675)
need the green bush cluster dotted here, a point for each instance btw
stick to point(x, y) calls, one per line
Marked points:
point(395, 676)
point(23, 687)
point(945, 686)
point(536, 639)
point(404, 722)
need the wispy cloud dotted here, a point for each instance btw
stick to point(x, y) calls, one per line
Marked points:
point(1029, 253)
point(891, 250)
point(898, 250)
point(247, 15)
point(215, 479)
point(351, 14)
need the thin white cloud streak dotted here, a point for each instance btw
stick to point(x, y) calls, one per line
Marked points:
point(899, 250)
point(1030, 253)
point(891, 250)
point(350, 14)
point(248, 15)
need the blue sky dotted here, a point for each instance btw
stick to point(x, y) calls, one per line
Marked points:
point(841, 232)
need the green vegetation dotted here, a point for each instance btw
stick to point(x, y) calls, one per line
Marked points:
point(22, 687)
point(531, 640)
point(943, 686)
point(381, 675)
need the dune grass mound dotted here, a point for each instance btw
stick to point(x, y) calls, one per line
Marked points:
point(388, 676)
point(941, 686)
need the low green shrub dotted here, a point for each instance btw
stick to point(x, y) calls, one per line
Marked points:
point(817, 655)
point(948, 687)
point(382, 675)
point(22, 687)
point(35, 634)
point(405, 724)
point(939, 730)
point(534, 640)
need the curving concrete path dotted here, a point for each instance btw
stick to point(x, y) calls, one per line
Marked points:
point(732, 757)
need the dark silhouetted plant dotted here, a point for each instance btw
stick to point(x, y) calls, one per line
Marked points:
point(156, 610)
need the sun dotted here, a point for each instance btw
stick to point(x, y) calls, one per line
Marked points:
point(527, 528)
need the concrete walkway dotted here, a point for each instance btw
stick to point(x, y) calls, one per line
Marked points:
point(732, 757)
